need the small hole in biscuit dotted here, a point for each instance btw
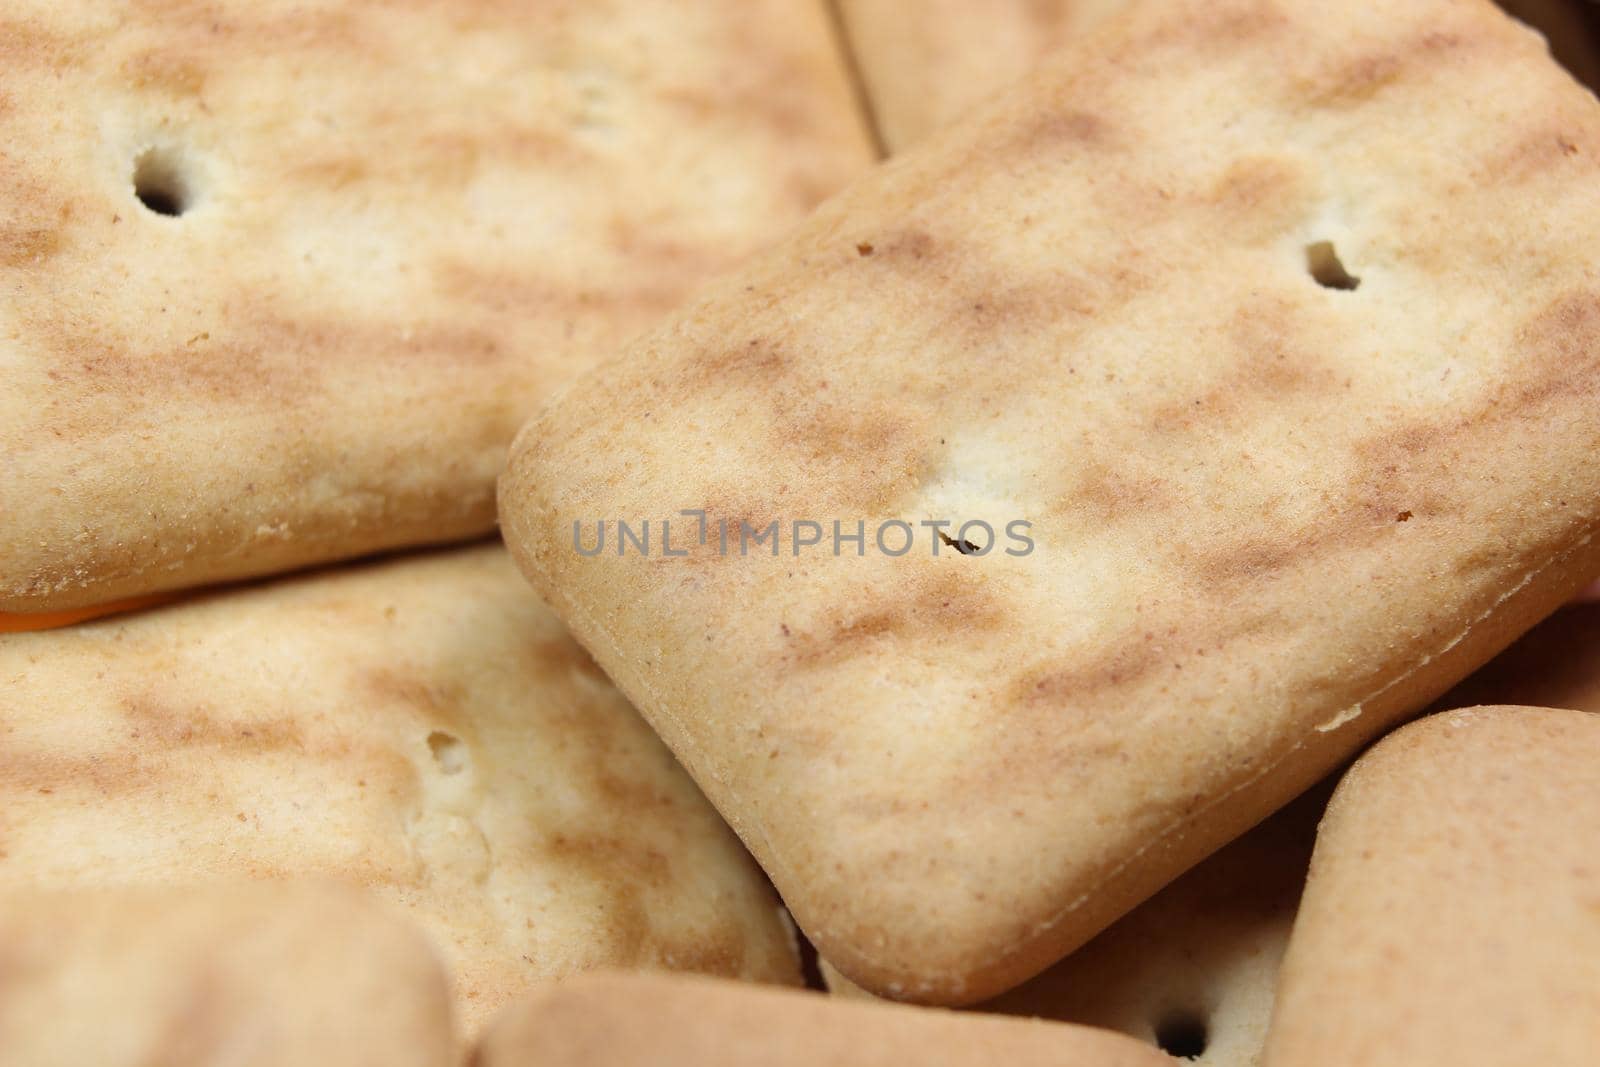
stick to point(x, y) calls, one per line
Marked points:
point(160, 183)
point(1323, 263)
point(961, 545)
point(1182, 1035)
point(448, 752)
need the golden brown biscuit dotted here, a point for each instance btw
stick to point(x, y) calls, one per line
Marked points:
point(371, 237)
point(422, 727)
point(1572, 27)
point(925, 64)
point(628, 1020)
point(1554, 665)
point(1193, 969)
point(19, 622)
point(1303, 426)
point(225, 976)
point(1452, 915)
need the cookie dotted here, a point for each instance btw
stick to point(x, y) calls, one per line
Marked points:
point(421, 727)
point(1452, 914)
point(1086, 483)
point(1554, 665)
point(627, 1020)
point(1193, 969)
point(926, 65)
point(239, 975)
point(281, 279)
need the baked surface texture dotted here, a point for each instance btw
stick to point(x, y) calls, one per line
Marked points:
point(1554, 665)
point(401, 227)
point(1572, 28)
point(423, 728)
point(1452, 915)
point(640, 1020)
point(1195, 967)
point(1271, 517)
point(226, 976)
point(927, 64)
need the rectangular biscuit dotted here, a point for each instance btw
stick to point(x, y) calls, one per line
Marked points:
point(925, 65)
point(676, 1021)
point(1193, 969)
point(248, 975)
point(422, 727)
point(1292, 369)
point(1452, 915)
point(282, 278)
point(1554, 665)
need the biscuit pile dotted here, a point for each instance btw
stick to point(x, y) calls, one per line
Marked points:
point(995, 483)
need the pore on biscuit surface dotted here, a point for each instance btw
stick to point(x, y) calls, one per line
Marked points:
point(1291, 366)
point(421, 727)
point(281, 278)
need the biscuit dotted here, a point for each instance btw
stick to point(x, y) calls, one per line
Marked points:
point(923, 66)
point(1554, 665)
point(282, 278)
point(421, 727)
point(628, 1020)
point(1573, 29)
point(232, 976)
point(1192, 970)
point(926, 65)
point(1452, 914)
point(1288, 365)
